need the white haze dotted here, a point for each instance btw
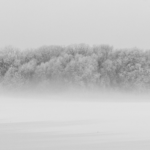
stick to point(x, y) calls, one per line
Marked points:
point(75, 120)
point(34, 23)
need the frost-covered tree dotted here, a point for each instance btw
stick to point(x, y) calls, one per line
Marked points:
point(82, 65)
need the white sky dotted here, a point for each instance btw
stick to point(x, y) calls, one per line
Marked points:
point(34, 23)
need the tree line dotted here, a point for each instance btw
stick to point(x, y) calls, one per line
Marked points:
point(81, 65)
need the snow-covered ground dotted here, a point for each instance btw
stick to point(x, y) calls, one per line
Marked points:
point(74, 122)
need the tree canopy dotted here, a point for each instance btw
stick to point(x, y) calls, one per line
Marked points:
point(80, 65)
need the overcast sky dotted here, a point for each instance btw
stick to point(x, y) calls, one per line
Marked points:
point(34, 23)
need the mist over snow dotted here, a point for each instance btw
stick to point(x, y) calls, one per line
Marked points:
point(93, 97)
point(58, 94)
point(72, 105)
point(96, 118)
